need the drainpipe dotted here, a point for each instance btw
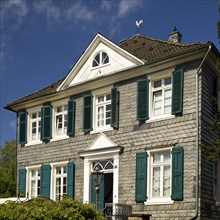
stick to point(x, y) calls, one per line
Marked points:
point(197, 133)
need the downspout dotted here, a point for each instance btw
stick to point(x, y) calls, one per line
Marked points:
point(197, 133)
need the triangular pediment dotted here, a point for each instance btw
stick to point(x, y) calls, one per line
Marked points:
point(84, 70)
point(101, 142)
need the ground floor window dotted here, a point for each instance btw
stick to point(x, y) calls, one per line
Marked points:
point(34, 183)
point(159, 181)
point(60, 181)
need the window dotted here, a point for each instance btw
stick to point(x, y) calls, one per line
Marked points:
point(100, 59)
point(60, 181)
point(160, 174)
point(161, 97)
point(35, 123)
point(34, 183)
point(61, 120)
point(103, 110)
point(216, 182)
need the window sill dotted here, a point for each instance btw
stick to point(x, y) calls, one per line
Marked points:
point(57, 138)
point(159, 118)
point(98, 130)
point(33, 143)
point(159, 202)
point(217, 203)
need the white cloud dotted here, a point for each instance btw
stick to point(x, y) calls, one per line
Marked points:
point(13, 10)
point(127, 6)
point(106, 5)
point(79, 11)
point(12, 124)
point(52, 12)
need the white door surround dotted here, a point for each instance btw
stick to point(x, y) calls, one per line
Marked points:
point(101, 149)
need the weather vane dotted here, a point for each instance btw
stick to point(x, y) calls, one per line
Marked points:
point(138, 24)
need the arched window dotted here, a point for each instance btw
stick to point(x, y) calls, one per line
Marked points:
point(100, 59)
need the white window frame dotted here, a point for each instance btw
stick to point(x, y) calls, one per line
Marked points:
point(152, 78)
point(55, 135)
point(29, 179)
point(101, 64)
point(29, 125)
point(161, 199)
point(54, 176)
point(97, 93)
point(217, 183)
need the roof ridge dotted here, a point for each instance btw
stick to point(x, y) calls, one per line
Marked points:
point(164, 41)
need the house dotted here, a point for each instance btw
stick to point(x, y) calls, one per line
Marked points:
point(128, 118)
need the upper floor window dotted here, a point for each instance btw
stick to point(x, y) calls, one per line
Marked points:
point(103, 110)
point(61, 120)
point(161, 96)
point(35, 123)
point(100, 59)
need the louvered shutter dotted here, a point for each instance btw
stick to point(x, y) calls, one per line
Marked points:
point(142, 99)
point(22, 116)
point(87, 112)
point(22, 182)
point(71, 118)
point(177, 92)
point(177, 173)
point(45, 180)
point(70, 179)
point(46, 122)
point(114, 107)
point(141, 177)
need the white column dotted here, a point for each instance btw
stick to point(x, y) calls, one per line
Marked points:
point(86, 192)
point(115, 178)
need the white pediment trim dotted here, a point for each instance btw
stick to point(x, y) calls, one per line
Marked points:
point(101, 141)
point(80, 72)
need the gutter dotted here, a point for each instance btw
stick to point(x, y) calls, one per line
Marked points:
point(197, 132)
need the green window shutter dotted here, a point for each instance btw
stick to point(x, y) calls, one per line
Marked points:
point(87, 112)
point(177, 174)
point(22, 116)
point(46, 122)
point(71, 118)
point(45, 180)
point(141, 177)
point(22, 182)
point(177, 92)
point(70, 179)
point(114, 107)
point(142, 99)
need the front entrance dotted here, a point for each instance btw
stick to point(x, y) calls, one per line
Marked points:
point(105, 192)
point(103, 179)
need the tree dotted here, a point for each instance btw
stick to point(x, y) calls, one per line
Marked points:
point(8, 169)
point(213, 149)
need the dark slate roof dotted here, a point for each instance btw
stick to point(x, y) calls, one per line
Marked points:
point(152, 49)
point(145, 48)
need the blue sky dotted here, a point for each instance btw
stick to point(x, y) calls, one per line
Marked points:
point(41, 40)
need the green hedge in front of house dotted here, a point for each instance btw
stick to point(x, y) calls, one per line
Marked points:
point(44, 209)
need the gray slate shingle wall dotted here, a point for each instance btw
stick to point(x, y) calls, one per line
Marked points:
point(179, 130)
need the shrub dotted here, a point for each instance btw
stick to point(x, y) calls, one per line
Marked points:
point(45, 209)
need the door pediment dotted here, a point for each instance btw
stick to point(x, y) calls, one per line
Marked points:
point(101, 145)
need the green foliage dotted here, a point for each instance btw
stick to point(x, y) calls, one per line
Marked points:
point(213, 149)
point(45, 209)
point(8, 169)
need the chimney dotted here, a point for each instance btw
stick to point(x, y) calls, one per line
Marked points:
point(175, 36)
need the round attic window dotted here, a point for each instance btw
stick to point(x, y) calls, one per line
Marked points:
point(100, 59)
